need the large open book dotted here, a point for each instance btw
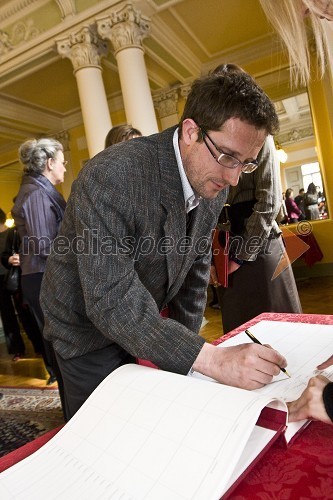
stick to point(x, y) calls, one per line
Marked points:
point(304, 346)
point(154, 435)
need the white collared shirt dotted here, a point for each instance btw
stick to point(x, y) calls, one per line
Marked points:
point(191, 199)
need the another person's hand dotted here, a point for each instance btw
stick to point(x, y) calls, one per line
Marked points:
point(248, 366)
point(326, 363)
point(14, 260)
point(310, 404)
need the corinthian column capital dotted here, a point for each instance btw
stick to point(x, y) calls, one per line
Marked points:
point(185, 90)
point(166, 103)
point(124, 28)
point(84, 48)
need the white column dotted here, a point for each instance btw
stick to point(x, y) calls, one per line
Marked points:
point(126, 29)
point(166, 105)
point(84, 48)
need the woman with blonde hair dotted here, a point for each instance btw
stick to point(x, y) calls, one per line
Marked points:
point(294, 20)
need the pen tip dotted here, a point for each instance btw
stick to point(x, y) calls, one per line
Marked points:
point(285, 371)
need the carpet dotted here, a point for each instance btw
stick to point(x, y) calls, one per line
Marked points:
point(26, 414)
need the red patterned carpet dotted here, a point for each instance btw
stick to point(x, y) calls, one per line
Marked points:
point(26, 414)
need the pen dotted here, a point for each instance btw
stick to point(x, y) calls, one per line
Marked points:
point(256, 341)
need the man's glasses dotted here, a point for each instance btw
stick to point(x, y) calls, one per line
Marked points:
point(226, 160)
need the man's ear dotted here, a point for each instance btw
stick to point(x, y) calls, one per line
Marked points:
point(190, 131)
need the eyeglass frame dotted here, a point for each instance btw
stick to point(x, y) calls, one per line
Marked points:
point(49, 157)
point(222, 154)
point(65, 162)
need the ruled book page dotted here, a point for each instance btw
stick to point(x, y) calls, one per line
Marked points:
point(304, 346)
point(143, 434)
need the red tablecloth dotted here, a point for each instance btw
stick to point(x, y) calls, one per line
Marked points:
point(303, 471)
point(310, 253)
point(314, 253)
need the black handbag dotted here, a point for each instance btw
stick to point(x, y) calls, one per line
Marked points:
point(13, 276)
point(12, 279)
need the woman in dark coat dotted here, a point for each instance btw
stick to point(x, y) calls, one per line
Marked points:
point(38, 212)
point(15, 344)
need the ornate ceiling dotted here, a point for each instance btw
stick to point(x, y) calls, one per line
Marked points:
point(38, 91)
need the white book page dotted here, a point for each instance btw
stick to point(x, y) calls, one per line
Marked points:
point(143, 434)
point(304, 346)
point(258, 435)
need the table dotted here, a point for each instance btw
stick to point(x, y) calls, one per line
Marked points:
point(304, 471)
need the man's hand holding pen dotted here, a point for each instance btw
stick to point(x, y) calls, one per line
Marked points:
point(248, 366)
point(256, 341)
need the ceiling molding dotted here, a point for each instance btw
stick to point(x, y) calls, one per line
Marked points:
point(163, 35)
point(159, 60)
point(156, 79)
point(177, 52)
point(67, 8)
point(16, 9)
point(45, 43)
point(190, 32)
point(150, 7)
point(17, 110)
point(242, 54)
point(29, 69)
point(297, 134)
point(109, 65)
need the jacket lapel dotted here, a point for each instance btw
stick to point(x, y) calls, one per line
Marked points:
point(172, 200)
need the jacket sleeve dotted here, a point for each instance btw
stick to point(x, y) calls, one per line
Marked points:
point(115, 299)
point(188, 305)
point(268, 195)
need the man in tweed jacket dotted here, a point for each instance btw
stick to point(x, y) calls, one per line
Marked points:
point(136, 238)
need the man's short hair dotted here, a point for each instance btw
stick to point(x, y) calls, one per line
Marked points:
point(219, 96)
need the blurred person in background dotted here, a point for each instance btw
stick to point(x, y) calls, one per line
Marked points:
point(311, 203)
point(256, 244)
point(299, 200)
point(9, 248)
point(294, 212)
point(121, 133)
point(38, 212)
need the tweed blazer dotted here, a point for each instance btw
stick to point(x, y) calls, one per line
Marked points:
point(121, 256)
